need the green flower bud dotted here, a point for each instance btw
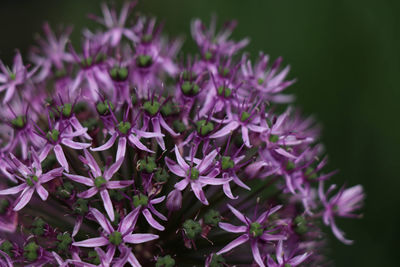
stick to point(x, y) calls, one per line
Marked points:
point(204, 127)
point(151, 107)
point(148, 165)
point(212, 217)
point(179, 126)
point(161, 176)
point(81, 206)
point(191, 228)
point(166, 261)
point(245, 115)
point(31, 251)
point(217, 261)
point(144, 61)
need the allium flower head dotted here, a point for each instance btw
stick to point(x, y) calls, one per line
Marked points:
point(114, 152)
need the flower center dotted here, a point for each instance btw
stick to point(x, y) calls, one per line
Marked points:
point(227, 163)
point(189, 88)
point(119, 73)
point(256, 229)
point(99, 181)
point(204, 127)
point(192, 228)
point(104, 107)
point(245, 115)
point(19, 122)
point(30, 251)
point(273, 138)
point(87, 62)
point(193, 173)
point(30, 180)
point(224, 91)
point(151, 107)
point(124, 127)
point(139, 200)
point(144, 61)
point(66, 109)
point(115, 238)
point(53, 135)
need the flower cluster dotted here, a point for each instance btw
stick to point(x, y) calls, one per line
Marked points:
point(118, 153)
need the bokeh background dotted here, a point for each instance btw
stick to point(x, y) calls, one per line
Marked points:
point(345, 56)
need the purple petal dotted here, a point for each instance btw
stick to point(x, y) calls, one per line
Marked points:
point(232, 228)
point(132, 260)
point(129, 221)
point(13, 190)
point(237, 242)
point(180, 160)
point(88, 193)
point(181, 185)
point(77, 225)
point(101, 219)
point(199, 193)
point(113, 169)
point(174, 168)
point(139, 238)
point(157, 129)
point(107, 204)
point(207, 161)
point(245, 136)
point(166, 127)
point(213, 181)
point(61, 157)
point(92, 242)
point(121, 148)
point(118, 184)
point(226, 130)
point(80, 179)
point(110, 142)
point(256, 253)
point(284, 153)
point(48, 176)
point(151, 221)
point(228, 192)
point(43, 194)
point(136, 142)
point(91, 162)
point(266, 214)
point(298, 259)
point(75, 145)
point(239, 215)
point(157, 200)
point(45, 151)
point(24, 198)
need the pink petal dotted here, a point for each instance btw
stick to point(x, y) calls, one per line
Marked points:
point(256, 253)
point(232, 228)
point(75, 145)
point(107, 204)
point(113, 169)
point(118, 184)
point(58, 151)
point(13, 190)
point(239, 215)
point(226, 130)
point(136, 142)
point(88, 193)
point(151, 221)
point(199, 193)
point(180, 160)
point(43, 194)
point(80, 179)
point(24, 198)
point(121, 148)
point(139, 238)
point(237, 242)
point(92, 242)
point(174, 168)
point(101, 219)
point(107, 144)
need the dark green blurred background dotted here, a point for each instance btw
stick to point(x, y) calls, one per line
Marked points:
point(345, 56)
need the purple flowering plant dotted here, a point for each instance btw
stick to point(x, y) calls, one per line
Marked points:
point(119, 153)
